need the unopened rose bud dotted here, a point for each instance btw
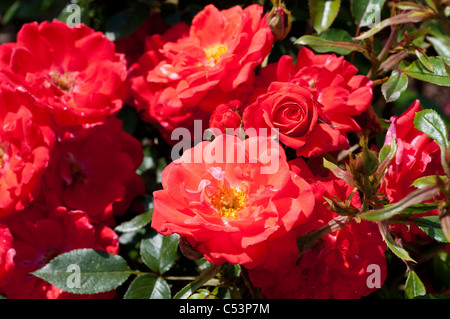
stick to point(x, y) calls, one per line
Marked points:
point(366, 163)
point(279, 20)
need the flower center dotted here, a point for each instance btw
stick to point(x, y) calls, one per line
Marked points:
point(215, 51)
point(77, 176)
point(228, 201)
point(65, 82)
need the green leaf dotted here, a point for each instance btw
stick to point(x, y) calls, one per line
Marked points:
point(441, 44)
point(85, 271)
point(324, 45)
point(419, 72)
point(189, 289)
point(158, 251)
point(335, 35)
point(431, 225)
point(395, 86)
point(323, 13)
point(402, 18)
point(429, 122)
point(339, 172)
point(400, 207)
point(425, 60)
point(425, 181)
point(148, 286)
point(366, 11)
point(398, 250)
point(414, 286)
point(136, 223)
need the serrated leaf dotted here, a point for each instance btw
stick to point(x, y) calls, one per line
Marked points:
point(402, 18)
point(337, 36)
point(441, 44)
point(148, 286)
point(419, 72)
point(429, 122)
point(136, 223)
point(414, 286)
point(339, 172)
point(399, 251)
point(425, 181)
point(431, 225)
point(190, 288)
point(323, 13)
point(85, 271)
point(366, 11)
point(401, 206)
point(395, 86)
point(423, 58)
point(324, 45)
point(158, 251)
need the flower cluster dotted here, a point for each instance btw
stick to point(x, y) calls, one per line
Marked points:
point(66, 165)
point(273, 186)
point(222, 197)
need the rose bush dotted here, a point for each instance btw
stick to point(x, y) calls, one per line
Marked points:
point(303, 172)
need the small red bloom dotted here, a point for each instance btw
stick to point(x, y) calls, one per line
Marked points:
point(229, 197)
point(25, 144)
point(226, 116)
point(95, 172)
point(311, 103)
point(75, 73)
point(213, 61)
point(7, 253)
point(38, 237)
point(417, 156)
point(336, 266)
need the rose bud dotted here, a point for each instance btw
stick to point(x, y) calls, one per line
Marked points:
point(279, 20)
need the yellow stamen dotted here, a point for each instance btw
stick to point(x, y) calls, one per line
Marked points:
point(215, 51)
point(229, 201)
point(65, 82)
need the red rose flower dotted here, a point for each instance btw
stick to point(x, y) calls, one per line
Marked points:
point(319, 97)
point(6, 252)
point(229, 197)
point(226, 116)
point(208, 65)
point(25, 144)
point(95, 172)
point(75, 73)
point(295, 112)
point(38, 237)
point(417, 156)
point(336, 267)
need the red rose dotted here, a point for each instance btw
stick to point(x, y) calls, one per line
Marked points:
point(417, 156)
point(39, 236)
point(327, 82)
point(226, 116)
point(211, 64)
point(295, 112)
point(6, 252)
point(25, 144)
point(336, 267)
point(95, 172)
point(229, 197)
point(75, 73)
